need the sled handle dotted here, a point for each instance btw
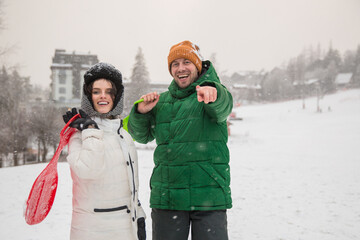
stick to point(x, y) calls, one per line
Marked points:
point(139, 101)
point(66, 127)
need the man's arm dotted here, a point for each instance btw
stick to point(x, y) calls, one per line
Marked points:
point(218, 103)
point(141, 120)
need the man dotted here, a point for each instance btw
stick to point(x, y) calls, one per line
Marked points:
point(190, 183)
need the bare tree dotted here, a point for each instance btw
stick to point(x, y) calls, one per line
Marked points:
point(2, 49)
point(46, 123)
point(13, 94)
point(1, 14)
point(4, 128)
point(1, 24)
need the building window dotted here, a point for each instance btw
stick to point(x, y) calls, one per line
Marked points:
point(62, 76)
point(62, 90)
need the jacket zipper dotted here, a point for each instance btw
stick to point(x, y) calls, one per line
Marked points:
point(133, 179)
point(132, 168)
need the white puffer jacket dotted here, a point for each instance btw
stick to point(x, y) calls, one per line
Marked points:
point(104, 169)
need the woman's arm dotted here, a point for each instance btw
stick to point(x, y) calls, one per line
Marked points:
point(86, 153)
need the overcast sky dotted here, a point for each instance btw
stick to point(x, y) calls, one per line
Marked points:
point(244, 34)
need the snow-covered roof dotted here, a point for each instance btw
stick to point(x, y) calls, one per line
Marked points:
point(311, 81)
point(63, 65)
point(343, 78)
point(257, 86)
point(86, 66)
point(64, 52)
point(243, 73)
point(69, 65)
point(236, 85)
point(307, 82)
point(160, 84)
point(126, 80)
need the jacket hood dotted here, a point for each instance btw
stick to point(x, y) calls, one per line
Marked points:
point(88, 108)
point(108, 72)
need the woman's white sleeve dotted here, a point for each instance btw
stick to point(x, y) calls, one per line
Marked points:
point(86, 153)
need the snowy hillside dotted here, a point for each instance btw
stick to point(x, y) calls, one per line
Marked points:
point(295, 175)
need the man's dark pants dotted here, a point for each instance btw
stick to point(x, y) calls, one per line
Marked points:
point(175, 225)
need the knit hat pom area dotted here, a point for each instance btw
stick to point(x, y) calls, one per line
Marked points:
point(187, 50)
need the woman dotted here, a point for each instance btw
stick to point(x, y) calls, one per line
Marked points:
point(103, 163)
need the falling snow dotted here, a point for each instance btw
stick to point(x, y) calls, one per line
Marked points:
point(295, 175)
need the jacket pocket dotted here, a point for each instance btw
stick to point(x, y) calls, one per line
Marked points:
point(213, 174)
point(219, 180)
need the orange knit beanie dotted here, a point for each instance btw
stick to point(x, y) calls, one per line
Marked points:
point(187, 50)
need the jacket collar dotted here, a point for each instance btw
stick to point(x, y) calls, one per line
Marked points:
point(208, 74)
point(108, 125)
point(87, 107)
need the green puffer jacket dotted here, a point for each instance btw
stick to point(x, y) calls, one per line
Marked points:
point(191, 158)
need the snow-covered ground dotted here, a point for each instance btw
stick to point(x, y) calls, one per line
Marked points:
point(295, 175)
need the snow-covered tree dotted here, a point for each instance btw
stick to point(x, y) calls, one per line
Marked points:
point(356, 77)
point(349, 62)
point(46, 123)
point(328, 81)
point(213, 60)
point(13, 113)
point(1, 14)
point(140, 81)
point(332, 57)
point(3, 49)
point(276, 86)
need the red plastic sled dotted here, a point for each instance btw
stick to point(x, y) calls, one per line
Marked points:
point(43, 191)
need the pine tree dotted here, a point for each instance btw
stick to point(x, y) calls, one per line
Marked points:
point(356, 77)
point(213, 59)
point(332, 57)
point(140, 81)
point(349, 64)
point(329, 79)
